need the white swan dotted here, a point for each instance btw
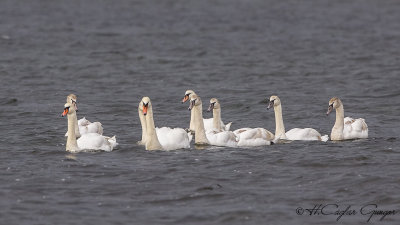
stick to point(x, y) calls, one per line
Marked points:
point(249, 137)
point(208, 123)
point(196, 116)
point(346, 128)
point(217, 123)
point(187, 96)
point(90, 141)
point(295, 134)
point(83, 126)
point(164, 138)
point(212, 136)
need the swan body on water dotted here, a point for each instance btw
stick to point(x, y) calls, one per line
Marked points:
point(346, 128)
point(208, 123)
point(163, 138)
point(215, 123)
point(215, 135)
point(295, 134)
point(83, 126)
point(251, 137)
point(89, 141)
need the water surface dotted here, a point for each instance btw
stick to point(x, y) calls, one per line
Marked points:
point(112, 53)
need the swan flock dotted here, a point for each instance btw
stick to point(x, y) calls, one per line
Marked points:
point(83, 135)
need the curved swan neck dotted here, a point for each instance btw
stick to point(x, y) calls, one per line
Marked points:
point(217, 119)
point(339, 117)
point(143, 123)
point(279, 127)
point(337, 130)
point(75, 118)
point(191, 125)
point(72, 144)
point(200, 134)
point(152, 142)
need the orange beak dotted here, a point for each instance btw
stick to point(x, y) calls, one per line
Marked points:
point(65, 112)
point(185, 98)
point(145, 110)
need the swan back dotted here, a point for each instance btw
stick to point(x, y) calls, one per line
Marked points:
point(304, 134)
point(295, 134)
point(355, 128)
point(346, 128)
point(173, 138)
point(95, 141)
point(224, 138)
point(89, 141)
point(254, 137)
point(85, 126)
point(164, 138)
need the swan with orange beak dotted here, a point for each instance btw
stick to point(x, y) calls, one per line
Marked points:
point(89, 141)
point(83, 126)
point(163, 138)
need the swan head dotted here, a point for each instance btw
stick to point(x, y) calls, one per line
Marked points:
point(68, 109)
point(214, 104)
point(273, 101)
point(334, 103)
point(71, 98)
point(188, 93)
point(194, 101)
point(144, 105)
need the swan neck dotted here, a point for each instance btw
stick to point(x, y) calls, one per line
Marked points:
point(72, 144)
point(339, 123)
point(200, 134)
point(279, 127)
point(337, 130)
point(77, 133)
point(217, 119)
point(191, 125)
point(152, 142)
point(143, 123)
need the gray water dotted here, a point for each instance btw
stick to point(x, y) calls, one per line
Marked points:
point(112, 53)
